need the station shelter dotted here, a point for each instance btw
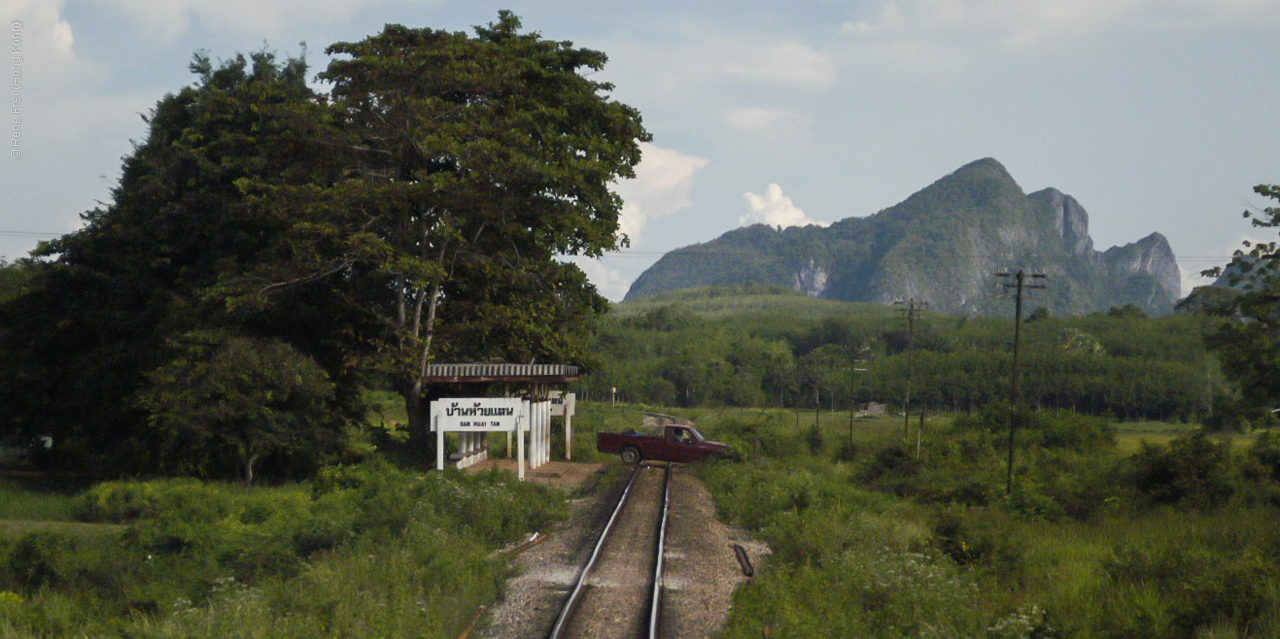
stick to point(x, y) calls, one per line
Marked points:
point(526, 416)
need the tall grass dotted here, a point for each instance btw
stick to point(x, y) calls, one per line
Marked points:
point(361, 551)
point(1179, 540)
point(35, 502)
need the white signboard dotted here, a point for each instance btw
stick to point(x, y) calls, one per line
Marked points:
point(562, 403)
point(476, 414)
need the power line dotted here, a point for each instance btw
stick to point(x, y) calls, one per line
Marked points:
point(716, 252)
point(36, 234)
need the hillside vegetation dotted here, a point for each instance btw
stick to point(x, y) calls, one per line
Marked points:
point(761, 346)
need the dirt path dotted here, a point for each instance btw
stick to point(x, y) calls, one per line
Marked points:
point(702, 571)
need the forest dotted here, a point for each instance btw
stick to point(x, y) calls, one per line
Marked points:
point(763, 346)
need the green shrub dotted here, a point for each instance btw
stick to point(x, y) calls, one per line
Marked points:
point(40, 559)
point(1042, 429)
point(1195, 587)
point(1191, 471)
point(1265, 452)
point(127, 501)
point(848, 451)
point(980, 537)
point(815, 440)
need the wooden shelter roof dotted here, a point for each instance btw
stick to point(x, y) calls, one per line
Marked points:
point(478, 373)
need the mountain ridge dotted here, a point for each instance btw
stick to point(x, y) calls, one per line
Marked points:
point(943, 245)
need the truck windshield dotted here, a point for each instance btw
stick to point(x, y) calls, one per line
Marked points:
point(697, 437)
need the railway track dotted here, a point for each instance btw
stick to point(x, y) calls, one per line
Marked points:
point(618, 592)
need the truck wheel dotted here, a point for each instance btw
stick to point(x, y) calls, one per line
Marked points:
point(712, 457)
point(630, 455)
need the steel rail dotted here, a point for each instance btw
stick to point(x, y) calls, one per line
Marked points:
point(655, 604)
point(575, 597)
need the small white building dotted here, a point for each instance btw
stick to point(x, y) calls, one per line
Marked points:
point(522, 417)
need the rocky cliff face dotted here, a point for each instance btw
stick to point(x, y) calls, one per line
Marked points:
point(812, 279)
point(1070, 220)
point(943, 245)
point(1150, 256)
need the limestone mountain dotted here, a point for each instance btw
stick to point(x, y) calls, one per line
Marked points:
point(942, 245)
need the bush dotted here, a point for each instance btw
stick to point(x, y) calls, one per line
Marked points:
point(980, 538)
point(1265, 452)
point(1198, 588)
point(814, 439)
point(1191, 471)
point(120, 502)
point(39, 559)
point(1062, 430)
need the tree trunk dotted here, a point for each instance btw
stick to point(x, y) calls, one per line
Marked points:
point(248, 458)
point(419, 429)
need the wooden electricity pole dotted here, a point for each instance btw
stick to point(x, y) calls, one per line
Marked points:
point(1020, 284)
point(909, 308)
point(853, 397)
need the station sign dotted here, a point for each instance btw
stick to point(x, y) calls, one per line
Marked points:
point(562, 403)
point(476, 414)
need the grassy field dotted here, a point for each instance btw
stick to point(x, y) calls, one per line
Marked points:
point(360, 551)
point(870, 537)
point(1100, 538)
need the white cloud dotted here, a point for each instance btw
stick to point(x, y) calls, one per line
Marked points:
point(661, 188)
point(952, 32)
point(891, 18)
point(169, 19)
point(608, 281)
point(788, 64)
point(45, 43)
point(700, 62)
point(779, 123)
point(775, 209)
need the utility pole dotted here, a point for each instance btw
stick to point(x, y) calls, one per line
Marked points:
point(909, 308)
point(853, 398)
point(1020, 284)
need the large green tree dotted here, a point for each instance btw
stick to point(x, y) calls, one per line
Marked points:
point(103, 302)
point(473, 164)
point(224, 398)
point(419, 211)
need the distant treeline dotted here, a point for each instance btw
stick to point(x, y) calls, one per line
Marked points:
point(763, 347)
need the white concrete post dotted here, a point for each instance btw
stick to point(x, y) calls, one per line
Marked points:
point(542, 435)
point(568, 436)
point(536, 412)
point(520, 427)
point(544, 411)
point(439, 443)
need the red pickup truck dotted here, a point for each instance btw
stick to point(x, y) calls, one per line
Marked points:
point(669, 442)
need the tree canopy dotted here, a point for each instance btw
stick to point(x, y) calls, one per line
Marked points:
point(1249, 344)
point(476, 162)
point(418, 210)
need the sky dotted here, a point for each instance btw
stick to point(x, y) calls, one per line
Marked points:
point(1156, 115)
